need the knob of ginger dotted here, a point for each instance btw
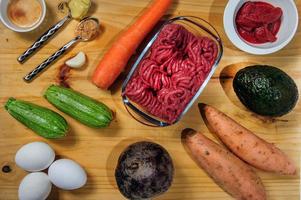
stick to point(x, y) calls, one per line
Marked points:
point(79, 8)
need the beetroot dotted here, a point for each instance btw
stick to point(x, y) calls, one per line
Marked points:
point(258, 22)
point(144, 170)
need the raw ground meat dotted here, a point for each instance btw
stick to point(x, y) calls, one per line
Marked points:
point(167, 79)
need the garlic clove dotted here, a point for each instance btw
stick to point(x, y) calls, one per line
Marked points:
point(77, 61)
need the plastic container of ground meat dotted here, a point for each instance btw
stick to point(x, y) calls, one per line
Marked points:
point(172, 70)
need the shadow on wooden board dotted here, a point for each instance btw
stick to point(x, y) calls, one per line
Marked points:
point(216, 18)
point(69, 140)
point(226, 80)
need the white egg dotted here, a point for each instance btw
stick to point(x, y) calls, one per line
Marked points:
point(35, 156)
point(67, 174)
point(34, 186)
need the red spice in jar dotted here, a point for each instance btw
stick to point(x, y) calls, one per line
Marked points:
point(258, 22)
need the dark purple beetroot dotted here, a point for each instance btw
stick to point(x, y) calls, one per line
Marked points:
point(144, 170)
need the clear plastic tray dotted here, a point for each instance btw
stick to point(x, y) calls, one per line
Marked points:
point(198, 27)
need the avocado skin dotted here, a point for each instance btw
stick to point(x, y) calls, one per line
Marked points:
point(266, 90)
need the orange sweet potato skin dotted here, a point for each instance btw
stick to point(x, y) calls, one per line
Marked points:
point(229, 172)
point(245, 144)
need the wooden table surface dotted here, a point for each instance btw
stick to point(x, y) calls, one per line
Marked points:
point(97, 150)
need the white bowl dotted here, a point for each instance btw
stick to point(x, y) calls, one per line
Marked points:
point(288, 28)
point(5, 20)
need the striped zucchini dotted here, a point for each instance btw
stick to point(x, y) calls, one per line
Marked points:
point(82, 108)
point(41, 120)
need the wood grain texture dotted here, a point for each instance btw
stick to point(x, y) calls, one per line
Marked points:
point(98, 150)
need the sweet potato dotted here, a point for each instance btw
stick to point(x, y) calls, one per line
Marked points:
point(245, 144)
point(229, 172)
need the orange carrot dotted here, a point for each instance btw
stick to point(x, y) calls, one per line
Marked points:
point(245, 144)
point(115, 60)
point(229, 172)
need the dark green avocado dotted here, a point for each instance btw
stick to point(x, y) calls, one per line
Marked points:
point(266, 90)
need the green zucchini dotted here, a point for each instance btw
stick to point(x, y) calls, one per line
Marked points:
point(82, 108)
point(43, 121)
